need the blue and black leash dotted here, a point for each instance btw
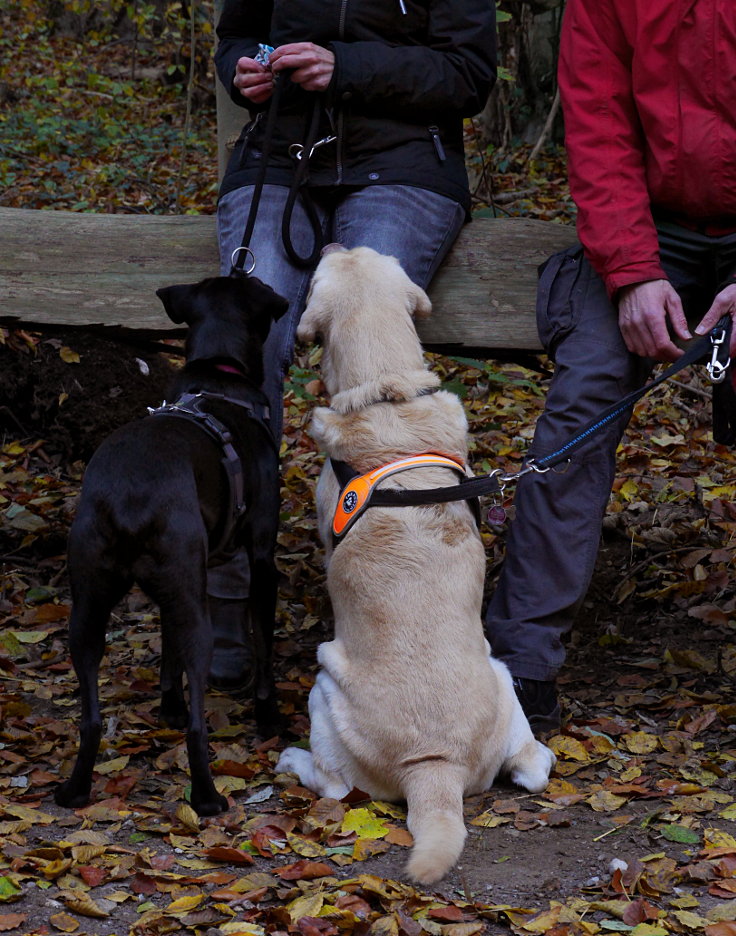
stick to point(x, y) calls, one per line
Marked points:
point(715, 344)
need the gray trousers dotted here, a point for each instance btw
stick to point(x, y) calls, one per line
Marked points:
point(554, 539)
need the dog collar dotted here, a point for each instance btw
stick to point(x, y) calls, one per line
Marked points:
point(357, 490)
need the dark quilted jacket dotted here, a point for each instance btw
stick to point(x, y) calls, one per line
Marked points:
point(402, 84)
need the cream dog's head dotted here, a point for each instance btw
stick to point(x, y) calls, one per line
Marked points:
point(362, 305)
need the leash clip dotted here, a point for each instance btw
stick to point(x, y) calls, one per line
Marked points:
point(296, 150)
point(716, 366)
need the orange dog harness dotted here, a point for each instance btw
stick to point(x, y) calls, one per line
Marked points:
point(358, 492)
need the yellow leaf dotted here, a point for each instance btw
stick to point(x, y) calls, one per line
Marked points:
point(568, 748)
point(185, 904)
point(691, 921)
point(639, 742)
point(385, 926)
point(187, 816)
point(729, 812)
point(69, 356)
point(543, 922)
point(714, 838)
point(366, 848)
point(30, 637)
point(364, 823)
point(64, 922)
point(114, 765)
point(24, 812)
point(305, 906)
point(82, 903)
point(83, 854)
point(488, 820)
point(240, 928)
point(629, 490)
point(304, 846)
point(602, 801)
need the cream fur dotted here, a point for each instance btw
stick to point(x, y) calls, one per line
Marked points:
point(408, 704)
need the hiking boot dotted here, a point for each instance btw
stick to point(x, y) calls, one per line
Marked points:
point(540, 704)
point(231, 668)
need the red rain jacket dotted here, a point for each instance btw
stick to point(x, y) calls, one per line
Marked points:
point(649, 97)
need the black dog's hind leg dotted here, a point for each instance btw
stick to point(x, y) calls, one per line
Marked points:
point(174, 712)
point(187, 637)
point(91, 609)
point(262, 611)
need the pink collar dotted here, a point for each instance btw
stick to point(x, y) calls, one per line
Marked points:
point(229, 369)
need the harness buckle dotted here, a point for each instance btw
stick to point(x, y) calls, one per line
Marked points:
point(716, 366)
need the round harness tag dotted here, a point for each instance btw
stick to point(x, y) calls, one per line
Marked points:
point(350, 502)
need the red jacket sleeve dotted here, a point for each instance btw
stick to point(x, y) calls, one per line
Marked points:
point(605, 143)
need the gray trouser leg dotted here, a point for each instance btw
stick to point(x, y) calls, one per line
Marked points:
point(554, 539)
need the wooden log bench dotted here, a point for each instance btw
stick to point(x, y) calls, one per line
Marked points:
point(101, 271)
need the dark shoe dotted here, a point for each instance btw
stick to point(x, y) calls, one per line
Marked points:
point(231, 668)
point(540, 704)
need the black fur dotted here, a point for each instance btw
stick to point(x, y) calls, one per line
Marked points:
point(153, 503)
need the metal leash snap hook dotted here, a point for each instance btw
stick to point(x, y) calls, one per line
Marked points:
point(328, 139)
point(716, 367)
point(248, 251)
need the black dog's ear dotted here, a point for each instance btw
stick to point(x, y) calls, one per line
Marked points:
point(177, 301)
point(279, 305)
point(275, 304)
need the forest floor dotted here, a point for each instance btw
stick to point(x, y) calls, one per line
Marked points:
point(636, 832)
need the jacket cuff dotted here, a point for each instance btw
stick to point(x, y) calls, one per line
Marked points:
point(635, 273)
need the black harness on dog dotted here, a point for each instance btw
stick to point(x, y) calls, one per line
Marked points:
point(189, 406)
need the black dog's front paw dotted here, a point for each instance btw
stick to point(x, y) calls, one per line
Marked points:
point(211, 806)
point(66, 794)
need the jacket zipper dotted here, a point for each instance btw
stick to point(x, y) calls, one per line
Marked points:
point(434, 132)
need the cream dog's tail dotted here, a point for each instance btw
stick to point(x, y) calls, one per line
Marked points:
point(434, 797)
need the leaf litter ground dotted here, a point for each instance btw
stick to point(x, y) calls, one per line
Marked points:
point(636, 832)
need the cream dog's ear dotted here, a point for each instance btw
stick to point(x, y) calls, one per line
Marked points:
point(419, 304)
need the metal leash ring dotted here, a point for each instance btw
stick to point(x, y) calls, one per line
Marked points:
point(247, 250)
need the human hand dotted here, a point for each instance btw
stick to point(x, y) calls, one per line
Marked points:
point(253, 81)
point(312, 65)
point(643, 312)
point(723, 304)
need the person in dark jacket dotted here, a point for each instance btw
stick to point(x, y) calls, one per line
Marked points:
point(649, 99)
point(387, 83)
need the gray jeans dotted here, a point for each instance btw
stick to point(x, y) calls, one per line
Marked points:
point(554, 539)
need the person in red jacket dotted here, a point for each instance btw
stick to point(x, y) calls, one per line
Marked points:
point(649, 100)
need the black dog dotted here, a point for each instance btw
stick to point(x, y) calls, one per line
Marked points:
point(167, 495)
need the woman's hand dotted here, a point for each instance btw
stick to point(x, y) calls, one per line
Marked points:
point(312, 66)
point(253, 81)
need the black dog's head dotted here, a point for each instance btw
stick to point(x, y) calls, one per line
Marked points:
point(229, 318)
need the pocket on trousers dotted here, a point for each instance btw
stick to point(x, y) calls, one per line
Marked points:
point(559, 283)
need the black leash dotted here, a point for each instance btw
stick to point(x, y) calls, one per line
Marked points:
point(301, 153)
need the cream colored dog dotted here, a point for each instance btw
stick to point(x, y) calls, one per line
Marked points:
point(409, 704)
